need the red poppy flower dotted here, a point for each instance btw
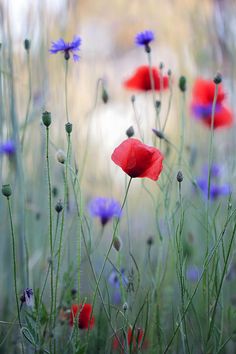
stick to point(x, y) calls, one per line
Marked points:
point(136, 339)
point(85, 311)
point(202, 100)
point(138, 159)
point(141, 80)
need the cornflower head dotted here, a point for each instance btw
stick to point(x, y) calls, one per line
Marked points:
point(67, 48)
point(216, 189)
point(8, 147)
point(104, 208)
point(144, 38)
point(114, 280)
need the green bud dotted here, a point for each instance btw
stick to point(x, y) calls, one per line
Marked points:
point(46, 118)
point(27, 44)
point(59, 206)
point(117, 243)
point(6, 190)
point(130, 132)
point(105, 96)
point(182, 83)
point(68, 127)
point(218, 79)
point(179, 177)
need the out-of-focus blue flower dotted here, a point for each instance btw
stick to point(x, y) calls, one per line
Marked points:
point(114, 280)
point(27, 297)
point(192, 273)
point(144, 38)
point(202, 111)
point(67, 48)
point(8, 147)
point(216, 189)
point(104, 208)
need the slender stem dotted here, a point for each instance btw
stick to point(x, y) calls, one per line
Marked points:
point(14, 261)
point(66, 101)
point(182, 130)
point(62, 228)
point(50, 230)
point(29, 99)
point(157, 110)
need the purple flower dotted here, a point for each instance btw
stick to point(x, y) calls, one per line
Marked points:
point(104, 208)
point(8, 147)
point(67, 48)
point(144, 38)
point(202, 111)
point(216, 189)
point(27, 297)
point(192, 273)
point(114, 281)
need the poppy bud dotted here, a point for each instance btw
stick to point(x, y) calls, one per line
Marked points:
point(46, 118)
point(125, 307)
point(182, 83)
point(68, 127)
point(159, 134)
point(169, 72)
point(73, 293)
point(158, 104)
point(59, 206)
point(105, 96)
point(161, 65)
point(179, 177)
point(54, 191)
point(117, 243)
point(27, 44)
point(132, 98)
point(61, 156)
point(218, 79)
point(130, 132)
point(150, 241)
point(6, 190)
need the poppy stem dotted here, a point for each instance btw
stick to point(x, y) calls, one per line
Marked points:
point(14, 260)
point(157, 109)
point(182, 129)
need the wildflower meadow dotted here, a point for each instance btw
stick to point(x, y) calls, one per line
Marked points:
point(117, 162)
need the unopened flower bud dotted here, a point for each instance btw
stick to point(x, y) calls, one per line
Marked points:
point(182, 83)
point(117, 243)
point(161, 65)
point(68, 127)
point(59, 206)
point(159, 134)
point(61, 156)
point(218, 79)
point(73, 293)
point(150, 241)
point(169, 72)
point(133, 98)
point(27, 44)
point(179, 177)
point(125, 307)
point(158, 104)
point(46, 118)
point(130, 132)
point(105, 96)
point(6, 190)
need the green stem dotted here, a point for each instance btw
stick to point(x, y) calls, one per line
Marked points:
point(66, 101)
point(14, 261)
point(50, 231)
point(157, 110)
point(29, 99)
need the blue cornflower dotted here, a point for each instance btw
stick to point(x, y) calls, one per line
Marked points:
point(144, 38)
point(104, 208)
point(8, 147)
point(114, 281)
point(192, 273)
point(67, 48)
point(216, 189)
point(202, 111)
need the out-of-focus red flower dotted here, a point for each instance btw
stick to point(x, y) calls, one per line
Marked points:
point(202, 101)
point(84, 321)
point(138, 159)
point(140, 80)
point(136, 340)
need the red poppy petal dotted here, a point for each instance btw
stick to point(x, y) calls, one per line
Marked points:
point(138, 159)
point(204, 90)
point(141, 80)
point(223, 118)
